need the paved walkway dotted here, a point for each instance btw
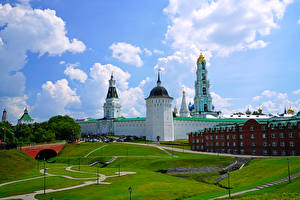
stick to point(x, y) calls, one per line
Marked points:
point(261, 186)
point(94, 151)
point(31, 196)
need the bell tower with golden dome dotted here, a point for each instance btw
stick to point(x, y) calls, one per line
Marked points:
point(202, 100)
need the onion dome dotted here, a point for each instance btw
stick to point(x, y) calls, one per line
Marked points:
point(175, 109)
point(248, 112)
point(259, 110)
point(159, 91)
point(291, 111)
point(201, 58)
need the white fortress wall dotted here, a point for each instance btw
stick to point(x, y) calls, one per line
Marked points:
point(88, 127)
point(134, 128)
point(182, 127)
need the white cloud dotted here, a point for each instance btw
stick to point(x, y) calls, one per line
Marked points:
point(220, 102)
point(75, 74)
point(127, 53)
point(147, 52)
point(269, 93)
point(296, 91)
point(56, 98)
point(222, 26)
point(157, 51)
point(62, 62)
point(299, 21)
point(14, 107)
point(26, 29)
point(256, 98)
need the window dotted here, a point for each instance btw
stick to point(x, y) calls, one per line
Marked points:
point(292, 144)
point(235, 151)
point(206, 137)
point(241, 144)
point(290, 126)
point(251, 128)
point(242, 151)
point(264, 136)
point(206, 144)
point(253, 144)
point(253, 152)
point(292, 153)
point(234, 144)
point(233, 137)
point(273, 135)
point(274, 144)
point(193, 141)
point(265, 144)
point(216, 137)
point(222, 137)
point(223, 144)
point(211, 137)
point(228, 144)
point(281, 135)
point(227, 137)
point(274, 152)
point(265, 152)
point(217, 144)
point(205, 108)
point(282, 144)
point(197, 141)
point(228, 150)
point(241, 129)
point(283, 153)
point(241, 136)
point(212, 144)
point(252, 136)
point(201, 140)
point(291, 135)
point(204, 93)
point(263, 128)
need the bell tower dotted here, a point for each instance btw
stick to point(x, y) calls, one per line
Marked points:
point(202, 100)
point(112, 106)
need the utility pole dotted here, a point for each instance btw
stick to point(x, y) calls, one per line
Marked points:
point(228, 184)
point(98, 174)
point(44, 175)
point(288, 161)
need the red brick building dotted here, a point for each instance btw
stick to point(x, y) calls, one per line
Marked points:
point(277, 137)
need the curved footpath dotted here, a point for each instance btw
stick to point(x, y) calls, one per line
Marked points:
point(31, 196)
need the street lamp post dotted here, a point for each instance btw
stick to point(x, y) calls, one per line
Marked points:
point(130, 190)
point(288, 161)
point(98, 174)
point(119, 167)
point(228, 184)
point(44, 175)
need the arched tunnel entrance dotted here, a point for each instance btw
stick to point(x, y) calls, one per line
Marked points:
point(46, 154)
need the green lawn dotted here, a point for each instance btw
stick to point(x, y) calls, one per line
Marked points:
point(147, 183)
point(281, 191)
point(16, 164)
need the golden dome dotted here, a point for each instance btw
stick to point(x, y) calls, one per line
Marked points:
point(201, 58)
point(291, 111)
point(183, 91)
point(259, 109)
point(175, 109)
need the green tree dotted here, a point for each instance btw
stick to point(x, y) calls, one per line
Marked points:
point(7, 133)
point(64, 127)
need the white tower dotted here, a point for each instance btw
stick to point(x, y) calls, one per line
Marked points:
point(112, 106)
point(159, 118)
point(184, 112)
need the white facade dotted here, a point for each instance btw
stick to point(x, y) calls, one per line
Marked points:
point(112, 106)
point(159, 119)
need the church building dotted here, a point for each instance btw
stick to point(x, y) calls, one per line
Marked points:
point(159, 123)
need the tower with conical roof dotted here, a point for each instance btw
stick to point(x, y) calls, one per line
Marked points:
point(25, 119)
point(184, 112)
point(4, 116)
point(202, 101)
point(159, 116)
point(112, 106)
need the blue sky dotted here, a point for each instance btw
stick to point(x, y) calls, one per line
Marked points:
point(56, 56)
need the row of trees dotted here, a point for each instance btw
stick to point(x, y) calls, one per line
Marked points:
point(57, 128)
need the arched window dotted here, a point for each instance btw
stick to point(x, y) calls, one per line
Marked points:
point(205, 108)
point(203, 77)
point(203, 65)
point(204, 91)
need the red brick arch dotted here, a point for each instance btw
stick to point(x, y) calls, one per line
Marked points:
point(34, 150)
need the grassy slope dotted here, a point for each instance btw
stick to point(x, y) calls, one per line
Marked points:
point(281, 191)
point(258, 172)
point(16, 164)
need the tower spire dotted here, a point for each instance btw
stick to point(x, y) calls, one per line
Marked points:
point(158, 78)
point(184, 112)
